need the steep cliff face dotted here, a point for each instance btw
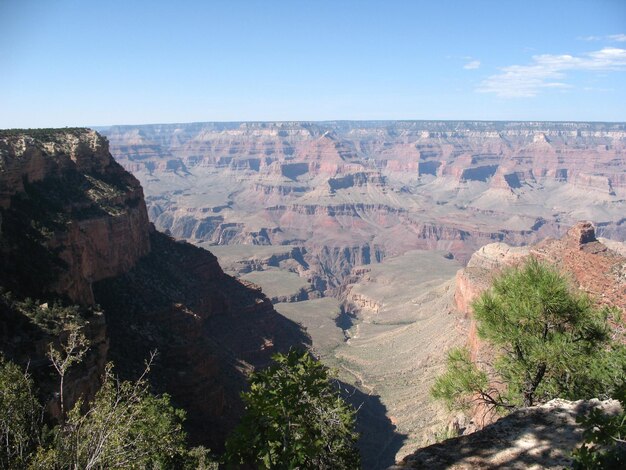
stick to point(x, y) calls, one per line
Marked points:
point(69, 216)
point(84, 207)
point(597, 268)
point(74, 229)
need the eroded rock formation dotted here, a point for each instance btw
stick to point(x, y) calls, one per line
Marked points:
point(396, 186)
point(597, 268)
point(93, 213)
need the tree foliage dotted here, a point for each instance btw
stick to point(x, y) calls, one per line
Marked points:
point(550, 341)
point(125, 426)
point(295, 418)
point(462, 381)
point(71, 351)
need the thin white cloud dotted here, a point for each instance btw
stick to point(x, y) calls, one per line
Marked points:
point(473, 65)
point(590, 38)
point(548, 71)
point(611, 37)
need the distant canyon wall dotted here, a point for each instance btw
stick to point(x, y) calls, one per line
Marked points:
point(383, 186)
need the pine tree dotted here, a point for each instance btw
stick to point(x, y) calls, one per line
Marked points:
point(550, 341)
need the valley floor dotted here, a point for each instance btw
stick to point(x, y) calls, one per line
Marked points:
point(387, 339)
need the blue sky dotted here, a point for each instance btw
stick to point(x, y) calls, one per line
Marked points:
point(65, 63)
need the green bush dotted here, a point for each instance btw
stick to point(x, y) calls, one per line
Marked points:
point(295, 418)
point(125, 426)
point(20, 416)
point(604, 444)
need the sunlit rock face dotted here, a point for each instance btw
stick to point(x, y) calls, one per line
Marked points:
point(536, 437)
point(100, 227)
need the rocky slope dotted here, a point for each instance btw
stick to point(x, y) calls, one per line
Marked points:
point(75, 230)
point(69, 215)
point(351, 193)
point(209, 329)
point(596, 267)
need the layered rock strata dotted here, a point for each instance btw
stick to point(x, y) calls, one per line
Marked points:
point(396, 186)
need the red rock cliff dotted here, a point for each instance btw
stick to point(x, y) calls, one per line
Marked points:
point(596, 267)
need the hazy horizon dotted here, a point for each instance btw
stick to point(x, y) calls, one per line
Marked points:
point(323, 121)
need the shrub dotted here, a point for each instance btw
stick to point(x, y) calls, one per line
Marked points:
point(604, 444)
point(20, 416)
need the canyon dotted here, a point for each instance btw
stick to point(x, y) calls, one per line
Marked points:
point(346, 194)
point(368, 241)
point(359, 231)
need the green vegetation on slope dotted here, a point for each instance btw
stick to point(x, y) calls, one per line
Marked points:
point(605, 438)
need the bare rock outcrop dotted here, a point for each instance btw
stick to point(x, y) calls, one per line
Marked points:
point(597, 268)
point(536, 437)
point(476, 277)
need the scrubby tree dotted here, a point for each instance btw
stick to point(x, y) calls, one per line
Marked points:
point(295, 419)
point(70, 352)
point(549, 340)
point(124, 426)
